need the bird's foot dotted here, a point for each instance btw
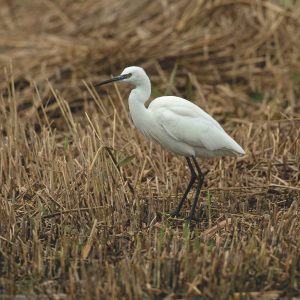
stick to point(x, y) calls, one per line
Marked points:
point(191, 218)
point(175, 214)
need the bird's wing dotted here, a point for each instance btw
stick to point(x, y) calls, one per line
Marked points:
point(181, 107)
point(197, 131)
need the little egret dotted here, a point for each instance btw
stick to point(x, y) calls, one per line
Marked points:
point(178, 125)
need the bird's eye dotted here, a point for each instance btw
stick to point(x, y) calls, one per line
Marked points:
point(127, 75)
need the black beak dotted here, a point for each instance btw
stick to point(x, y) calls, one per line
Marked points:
point(117, 78)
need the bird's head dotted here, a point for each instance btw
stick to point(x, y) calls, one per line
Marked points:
point(134, 75)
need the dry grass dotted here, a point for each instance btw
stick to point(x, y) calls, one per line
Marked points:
point(84, 197)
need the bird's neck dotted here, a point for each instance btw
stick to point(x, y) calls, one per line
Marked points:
point(137, 99)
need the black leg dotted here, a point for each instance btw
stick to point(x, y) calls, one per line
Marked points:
point(192, 180)
point(200, 178)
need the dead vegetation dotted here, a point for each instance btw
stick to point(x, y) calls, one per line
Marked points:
point(84, 197)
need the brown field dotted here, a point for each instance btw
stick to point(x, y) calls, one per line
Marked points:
point(84, 197)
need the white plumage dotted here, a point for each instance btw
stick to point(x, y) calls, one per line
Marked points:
point(178, 125)
point(190, 130)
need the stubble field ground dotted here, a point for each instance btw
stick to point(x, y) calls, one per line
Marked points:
point(84, 197)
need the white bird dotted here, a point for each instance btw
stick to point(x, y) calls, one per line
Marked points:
point(178, 125)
